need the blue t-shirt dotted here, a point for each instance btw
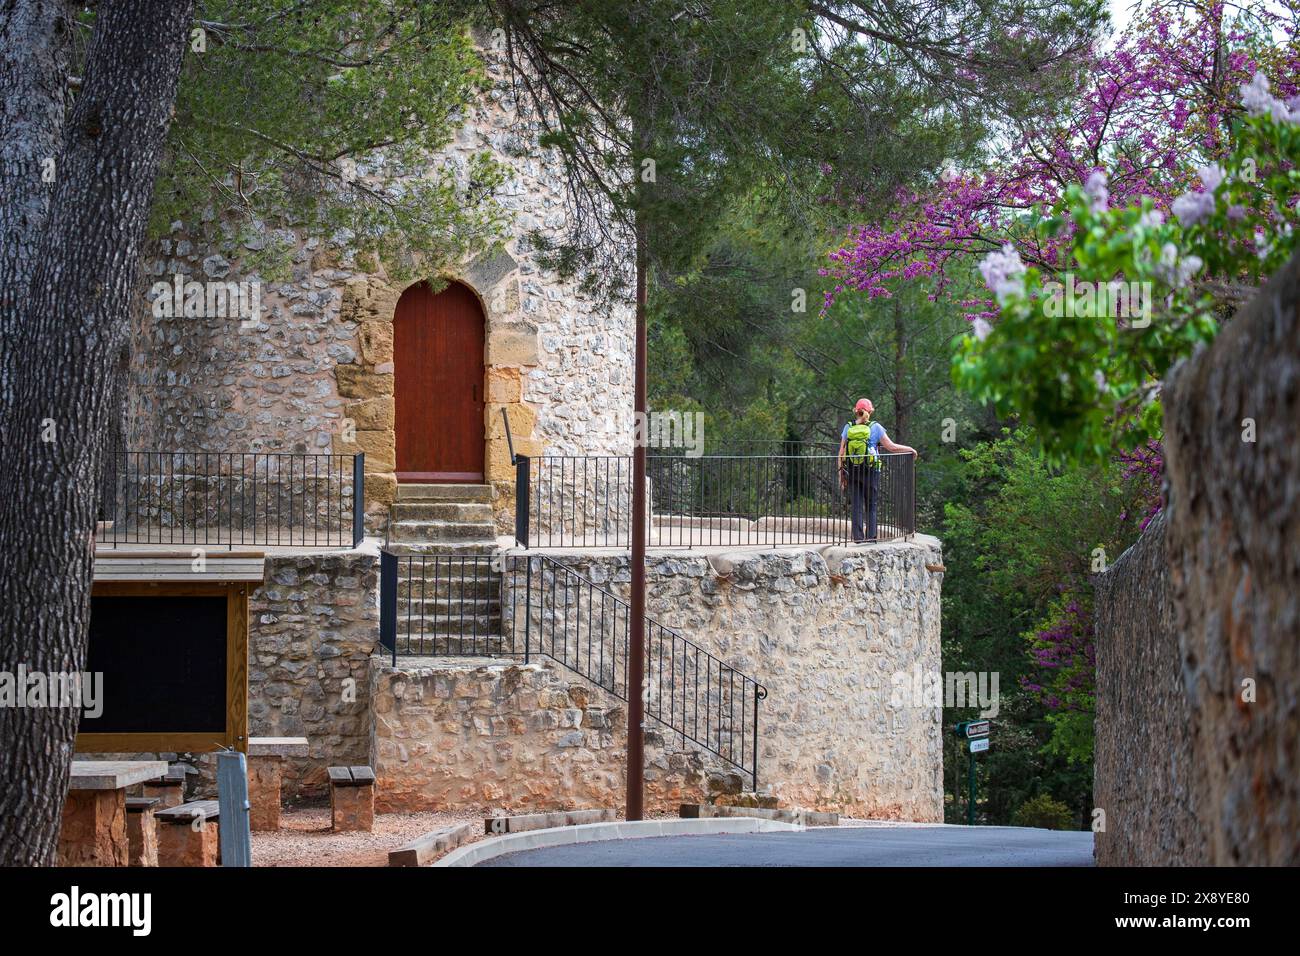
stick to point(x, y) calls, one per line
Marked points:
point(873, 440)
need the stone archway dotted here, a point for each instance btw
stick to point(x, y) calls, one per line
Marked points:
point(366, 386)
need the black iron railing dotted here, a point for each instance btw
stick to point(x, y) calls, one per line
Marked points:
point(533, 606)
point(557, 612)
point(435, 605)
point(217, 499)
point(711, 500)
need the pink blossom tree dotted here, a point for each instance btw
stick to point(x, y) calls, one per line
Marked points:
point(1153, 107)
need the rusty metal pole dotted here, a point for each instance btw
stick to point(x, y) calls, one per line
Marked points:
point(636, 624)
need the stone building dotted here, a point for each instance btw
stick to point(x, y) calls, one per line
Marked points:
point(436, 385)
point(322, 369)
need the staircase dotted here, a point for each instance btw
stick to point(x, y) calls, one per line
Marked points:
point(448, 588)
point(442, 518)
point(443, 597)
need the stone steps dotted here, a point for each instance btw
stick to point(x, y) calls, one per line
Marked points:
point(475, 512)
point(483, 547)
point(419, 532)
point(486, 588)
point(448, 606)
point(443, 493)
point(445, 625)
point(449, 597)
point(443, 645)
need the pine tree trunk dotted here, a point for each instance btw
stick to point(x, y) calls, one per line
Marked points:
point(35, 37)
point(72, 320)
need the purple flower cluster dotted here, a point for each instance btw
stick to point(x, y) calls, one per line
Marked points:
point(1151, 107)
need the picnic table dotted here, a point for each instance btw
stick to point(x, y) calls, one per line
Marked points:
point(94, 831)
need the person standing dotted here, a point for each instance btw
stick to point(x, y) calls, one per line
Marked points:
point(859, 466)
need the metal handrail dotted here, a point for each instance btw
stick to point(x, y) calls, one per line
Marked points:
point(575, 500)
point(231, 499)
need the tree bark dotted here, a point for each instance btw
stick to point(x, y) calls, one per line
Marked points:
point(71, 322)
point(35, 37)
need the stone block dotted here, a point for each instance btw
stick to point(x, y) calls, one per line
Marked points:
point(380, 488)
point(513, 344)
point(170, 793)
point(93, 832)
point(522, 418)
point(367, 299)
point(376, 342)
point(489, 268)
point(371, 414)
point(357, 382)
point(264, 793)
point(504, 386)
point(352, 808)
point(379, 446)
point(187, 843)
point(142, 836)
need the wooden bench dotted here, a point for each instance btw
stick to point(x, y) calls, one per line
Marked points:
point(352, 798)
point(265, 759)
point(142, 829)
point(185, 837)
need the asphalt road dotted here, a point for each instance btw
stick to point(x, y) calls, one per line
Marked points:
point(843, 846)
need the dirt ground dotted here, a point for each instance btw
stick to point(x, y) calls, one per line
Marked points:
point(305, 838)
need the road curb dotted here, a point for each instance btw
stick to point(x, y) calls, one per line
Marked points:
point(475, 853)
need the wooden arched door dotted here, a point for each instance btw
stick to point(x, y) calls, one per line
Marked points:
point(438, 371)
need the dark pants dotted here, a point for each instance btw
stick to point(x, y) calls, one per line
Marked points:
point(864, 487)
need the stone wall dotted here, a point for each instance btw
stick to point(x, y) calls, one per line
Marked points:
point(1234, 560)
point(1197, 636)
point(825, 630)
point(313, 627)
point(555, 362)
point(1146, 775)
point(473, 734)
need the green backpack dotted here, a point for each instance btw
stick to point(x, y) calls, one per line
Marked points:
point(858, 443)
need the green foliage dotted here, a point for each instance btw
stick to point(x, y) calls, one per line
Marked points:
point(1085, 374)
point(1019, 537)
point(323, 117)
point(1044, 812)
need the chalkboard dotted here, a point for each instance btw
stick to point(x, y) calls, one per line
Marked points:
point(173, 656)
point(163, 661)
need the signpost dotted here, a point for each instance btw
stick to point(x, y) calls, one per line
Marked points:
point(977, 732)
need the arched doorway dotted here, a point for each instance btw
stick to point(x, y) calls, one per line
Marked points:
point(438, 372)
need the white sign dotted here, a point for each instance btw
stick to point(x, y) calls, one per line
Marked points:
point(979, 745)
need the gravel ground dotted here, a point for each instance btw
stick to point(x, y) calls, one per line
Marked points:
point(305, 838)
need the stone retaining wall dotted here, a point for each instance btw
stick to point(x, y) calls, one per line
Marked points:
point(1198, 711)
point(313, 628)
point(474, 734)
point(825, 631)
point(1146, 778)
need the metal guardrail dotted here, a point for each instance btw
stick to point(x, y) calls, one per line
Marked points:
point(728, 501)
point(228, 499)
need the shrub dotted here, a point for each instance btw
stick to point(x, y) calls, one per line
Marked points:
point(1045, 813)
